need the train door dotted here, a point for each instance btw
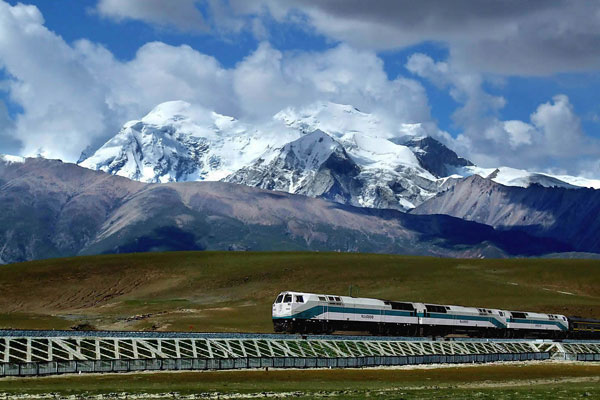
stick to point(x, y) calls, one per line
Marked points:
point(277, 306)
point(324, 315)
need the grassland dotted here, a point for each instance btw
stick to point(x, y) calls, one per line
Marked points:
point(534, 381)
point(212, 291)
point(233, 291)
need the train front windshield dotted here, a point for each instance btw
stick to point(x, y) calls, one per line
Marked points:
point(284, 298)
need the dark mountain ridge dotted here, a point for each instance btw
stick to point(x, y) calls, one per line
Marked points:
point(54, 209)
point(568, 215)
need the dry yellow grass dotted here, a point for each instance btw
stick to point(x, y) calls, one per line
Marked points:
point(233, 291)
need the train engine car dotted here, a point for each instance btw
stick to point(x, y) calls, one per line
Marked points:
point(441, 320)
point(297, 312)
point(529, 324)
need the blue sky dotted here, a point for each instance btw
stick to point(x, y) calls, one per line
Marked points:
point(463, 71)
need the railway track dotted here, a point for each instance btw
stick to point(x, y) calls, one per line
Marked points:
point(26, 352)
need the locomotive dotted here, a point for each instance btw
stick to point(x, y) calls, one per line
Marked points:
point(299, 312)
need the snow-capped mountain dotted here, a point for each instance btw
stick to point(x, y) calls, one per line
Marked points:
point(180, 142)
point(314, 165)
point(521, 178)
point(372, 171)
point(342, 121)
point(326, 150)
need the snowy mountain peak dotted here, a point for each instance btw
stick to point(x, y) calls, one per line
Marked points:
point(312, 149)
point(435, 157)
point(521, 178)
point(337, 120)
point(327, 150)
point(169, 111)
point(177, 141)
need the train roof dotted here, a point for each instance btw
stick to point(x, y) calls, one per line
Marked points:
point(381, 302)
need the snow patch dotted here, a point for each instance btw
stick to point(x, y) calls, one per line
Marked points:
point(8, 159)
point(521, 178)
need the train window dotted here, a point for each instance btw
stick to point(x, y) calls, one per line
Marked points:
point(501, 314)
point(322, 298)
point(299, 299)
point(279, 298)
point(287, 298)
point(519, 315)
point(338, 299)
point(435, 309)
point(402, 306)
point(489, 312)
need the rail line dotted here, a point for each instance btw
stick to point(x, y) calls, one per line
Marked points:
point(51, 352)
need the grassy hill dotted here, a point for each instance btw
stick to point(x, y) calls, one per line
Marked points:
point(233, 291)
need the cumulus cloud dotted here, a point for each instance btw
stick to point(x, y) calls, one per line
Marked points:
point(268, 78)
point(179, 14)
point(535, 37)
point(215, 17)
point(519, 133)
point(43, 73)
point(478, 108)
point(553, 135)
point(506, 37)
point(560, 125)
point(78, 95)
point(10, 144)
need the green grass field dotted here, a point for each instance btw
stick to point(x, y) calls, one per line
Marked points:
point(212, 291)
point(512, 381)
point(233, 291)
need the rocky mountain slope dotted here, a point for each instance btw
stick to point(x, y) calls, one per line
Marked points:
point(326, 150)
point(53, 209)
point(566, 214)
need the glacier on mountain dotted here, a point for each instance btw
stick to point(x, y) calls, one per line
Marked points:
point(327, 150)
point(180, 142)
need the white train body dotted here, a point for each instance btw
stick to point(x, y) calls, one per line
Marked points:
point(535, 321)
point(320, 313)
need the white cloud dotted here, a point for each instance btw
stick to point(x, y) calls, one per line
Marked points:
point(180, 14)
point(10, 144)
point(510, 37)
point(560, 126)
point(519, 132)
point(478, 110)
point(552, 138)
point(268, 79)
point(78, 95)
point(44, 72)
point(505, 37)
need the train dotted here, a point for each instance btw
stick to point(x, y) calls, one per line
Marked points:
point(310, 313)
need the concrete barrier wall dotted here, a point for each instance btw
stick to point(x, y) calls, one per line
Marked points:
point(65, 367)
point(588, 357)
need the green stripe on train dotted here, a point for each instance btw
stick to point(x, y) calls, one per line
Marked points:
point(533, 321)
point(318, 310)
